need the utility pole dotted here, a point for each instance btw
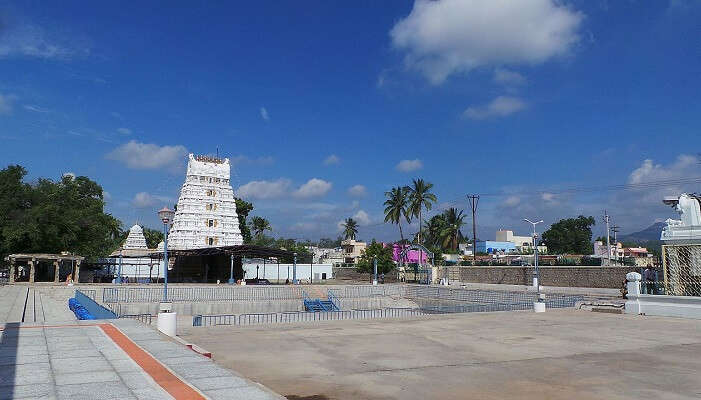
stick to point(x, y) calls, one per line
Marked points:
point(615, 229)
point(607, 219)
point(474, 199)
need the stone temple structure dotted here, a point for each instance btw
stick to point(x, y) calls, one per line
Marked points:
point(206, 211)
point(135, 239)
point(687, 229)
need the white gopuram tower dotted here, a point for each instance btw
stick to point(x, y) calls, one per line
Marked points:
point(136, 239)
point(206, 211)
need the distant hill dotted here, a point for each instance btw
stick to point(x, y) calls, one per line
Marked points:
point(652, 232)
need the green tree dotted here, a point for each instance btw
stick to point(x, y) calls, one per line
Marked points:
point(433, 230)
point(259, 225)
point(451, 235)
point(243, 208)
point(420, 197)
point(396, 207)
point(350, 228)
point(153, 237)
point(51, 217)
point(384, 258)
point(329, 243)
point(570, 236)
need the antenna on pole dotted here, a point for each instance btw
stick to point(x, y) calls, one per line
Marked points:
point(474, 199)
point(615, 229)
point(607, 219)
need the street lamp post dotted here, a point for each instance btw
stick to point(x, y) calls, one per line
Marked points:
point(119, 272)
point(167, 319)
point(294, 269)
point(539, 305)
point(231, 271)
point(166, 215)
point(374, 270)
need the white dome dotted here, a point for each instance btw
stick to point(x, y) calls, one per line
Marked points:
point(136, 229)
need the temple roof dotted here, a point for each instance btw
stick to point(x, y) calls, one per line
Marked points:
point(135, 239)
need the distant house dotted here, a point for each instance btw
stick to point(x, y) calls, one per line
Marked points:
point(494, 247)
point(352, 249)
point(412, 256)
point(524, 244)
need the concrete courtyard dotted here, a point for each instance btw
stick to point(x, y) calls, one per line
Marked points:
point(561, 354)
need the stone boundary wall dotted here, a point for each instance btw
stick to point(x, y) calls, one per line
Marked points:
point(564, 276)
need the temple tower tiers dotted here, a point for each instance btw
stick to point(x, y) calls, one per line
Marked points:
point(206, 211)
point(135, 239)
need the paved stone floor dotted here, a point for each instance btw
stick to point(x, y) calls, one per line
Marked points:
point(560, 354)
point(57, 357)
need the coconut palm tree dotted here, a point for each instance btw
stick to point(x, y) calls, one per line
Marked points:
point(420, 197)
point(350, 228)
point(259, 225)
point(453, 221)
point(396, 207)
point(434, 227)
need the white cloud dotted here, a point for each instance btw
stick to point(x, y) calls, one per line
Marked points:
point(502, 106)
point(362, 217)
point(21, 38)
point(508, 78)
point(313, 188)
point(147, 200)
point(547, 196)
point(685, 166)
point(264, 114)
point(332, 160)
point(442, 38)
point(265, 189)
point(38, 109)
point(107, 196)
point(409, 165)
point(124, 131)
point(137, 155)
point(6, 103)
point(68, 174)
point(511, 201)
point(357, 191)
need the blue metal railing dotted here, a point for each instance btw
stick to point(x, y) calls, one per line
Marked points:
point(182, 294)
point(303, 316)
point(97, 310)
point(333, 298)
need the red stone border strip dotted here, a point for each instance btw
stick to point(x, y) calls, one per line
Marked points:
point(163, 377)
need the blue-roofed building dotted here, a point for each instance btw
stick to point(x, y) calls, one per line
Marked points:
point(492, 247)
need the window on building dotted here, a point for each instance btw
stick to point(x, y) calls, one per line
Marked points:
point(210, 223)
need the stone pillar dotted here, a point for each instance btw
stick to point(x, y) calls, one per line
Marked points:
point(12, 270)
point(32, 269)
point(633, 286)
point(76, 278)
point(57, 268)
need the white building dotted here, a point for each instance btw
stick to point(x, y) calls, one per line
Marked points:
point(136, 262)
point(278, 273)
point(524, 244)
point(324, 255)
point(206, 211)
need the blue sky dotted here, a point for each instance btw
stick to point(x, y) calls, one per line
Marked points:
point(518, 100)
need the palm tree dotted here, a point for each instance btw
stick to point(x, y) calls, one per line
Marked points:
point(259, 225)
point(434, 227)
point(451, 235)
point(420, 197)
point(350, 228)
point(396, 207)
